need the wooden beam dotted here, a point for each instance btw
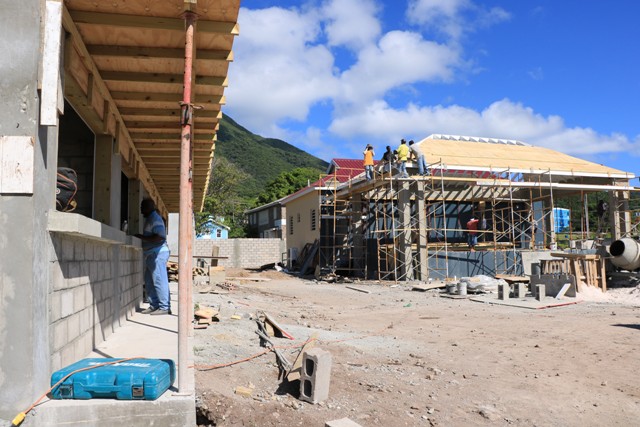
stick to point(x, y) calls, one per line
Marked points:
point(151, 22)
point(131, 76)
point(139, 52)
point(164, 97)
point(156, 136)
point(170, 124)
point(130, 111)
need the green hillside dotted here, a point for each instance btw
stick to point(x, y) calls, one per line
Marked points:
point(262, 158)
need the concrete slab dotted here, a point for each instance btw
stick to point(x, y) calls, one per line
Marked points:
point(144, 336)
point(528, 303)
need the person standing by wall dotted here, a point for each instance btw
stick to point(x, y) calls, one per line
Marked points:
point(368, 161)
point(472, 236)
point(156, 255)
point(403, 156)
point(423, 169)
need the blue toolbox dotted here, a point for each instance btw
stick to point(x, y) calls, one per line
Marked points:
point(131, 379)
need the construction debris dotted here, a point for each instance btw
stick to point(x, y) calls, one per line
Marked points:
point(358, 289)
point(278, 331)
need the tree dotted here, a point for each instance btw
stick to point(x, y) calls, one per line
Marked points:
point(287, 183)
point(223, 202)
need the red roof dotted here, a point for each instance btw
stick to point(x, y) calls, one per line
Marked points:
point(345, 169)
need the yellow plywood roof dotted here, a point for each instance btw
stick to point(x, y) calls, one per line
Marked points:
point(499, 156)
point(124, 65)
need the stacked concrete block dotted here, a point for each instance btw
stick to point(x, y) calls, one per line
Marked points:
point(95, 285)
point(242, 253)
point(541, 292)
point(315, 375)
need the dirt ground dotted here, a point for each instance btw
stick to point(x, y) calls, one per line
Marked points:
point(407, 358)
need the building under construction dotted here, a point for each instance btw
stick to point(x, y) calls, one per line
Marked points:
point(394, 228)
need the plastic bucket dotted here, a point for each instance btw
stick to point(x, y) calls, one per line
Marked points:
point(451, 288)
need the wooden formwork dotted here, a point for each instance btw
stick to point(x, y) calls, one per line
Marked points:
point(587, 268)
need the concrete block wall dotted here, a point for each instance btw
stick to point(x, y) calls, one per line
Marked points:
point(95, 286)
point(243, 253)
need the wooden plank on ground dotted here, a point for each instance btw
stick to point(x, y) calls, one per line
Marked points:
point(365, 291)
point(295, 371)
point(428, 287)
point(277, 328)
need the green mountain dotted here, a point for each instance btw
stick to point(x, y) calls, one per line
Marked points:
point(261, 158)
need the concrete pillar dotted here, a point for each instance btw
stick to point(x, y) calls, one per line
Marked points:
point(115, 202)
point(25, 244)
point(404, 235)
point(135, 198)
point(619, 214)
point(102, 183)
point(357, 233)
point(421, 230)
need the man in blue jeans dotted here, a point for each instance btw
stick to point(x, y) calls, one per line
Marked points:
point(156, 255)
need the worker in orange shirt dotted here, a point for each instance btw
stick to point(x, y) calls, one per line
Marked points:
point(368, 161)
point(472, 236)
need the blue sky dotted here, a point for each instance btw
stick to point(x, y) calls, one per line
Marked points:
point(330, 76)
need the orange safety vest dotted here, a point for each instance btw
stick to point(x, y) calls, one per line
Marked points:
point(368, 158)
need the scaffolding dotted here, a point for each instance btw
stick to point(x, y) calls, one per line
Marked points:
point(395, 229)
point(392, 228)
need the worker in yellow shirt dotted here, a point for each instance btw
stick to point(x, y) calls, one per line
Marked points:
point(403, 156)
point(368, 161)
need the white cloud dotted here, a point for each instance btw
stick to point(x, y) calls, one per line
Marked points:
point(502, 119)
point(454, 18)
point(399, 58)
point(279, 70)
point(536, 73)
point(351, 23)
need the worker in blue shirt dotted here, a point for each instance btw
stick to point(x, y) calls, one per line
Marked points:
point(156, 255)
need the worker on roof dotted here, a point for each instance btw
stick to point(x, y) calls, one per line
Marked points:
point(368, 161)
point(403, 157)
point(418, 157)
point(388, 159)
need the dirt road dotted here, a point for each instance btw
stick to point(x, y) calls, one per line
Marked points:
point(406, 358)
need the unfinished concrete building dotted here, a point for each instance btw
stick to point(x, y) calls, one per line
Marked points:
point(414, 228)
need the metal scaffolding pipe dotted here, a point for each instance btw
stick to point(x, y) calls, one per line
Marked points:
point(186, 210)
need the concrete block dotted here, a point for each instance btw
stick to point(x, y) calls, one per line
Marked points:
point(342, 422)
point(79, 250)
point(67, 250)
point(315, 375)
point(73, 327)
point(57, 275)
point(67, 355)
point(541, 292)
point(66, 303)
point(503, 291)
point(55, 309)
point(79, 298)
point(555, 282)
point(521, 290)
point(60, 334)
